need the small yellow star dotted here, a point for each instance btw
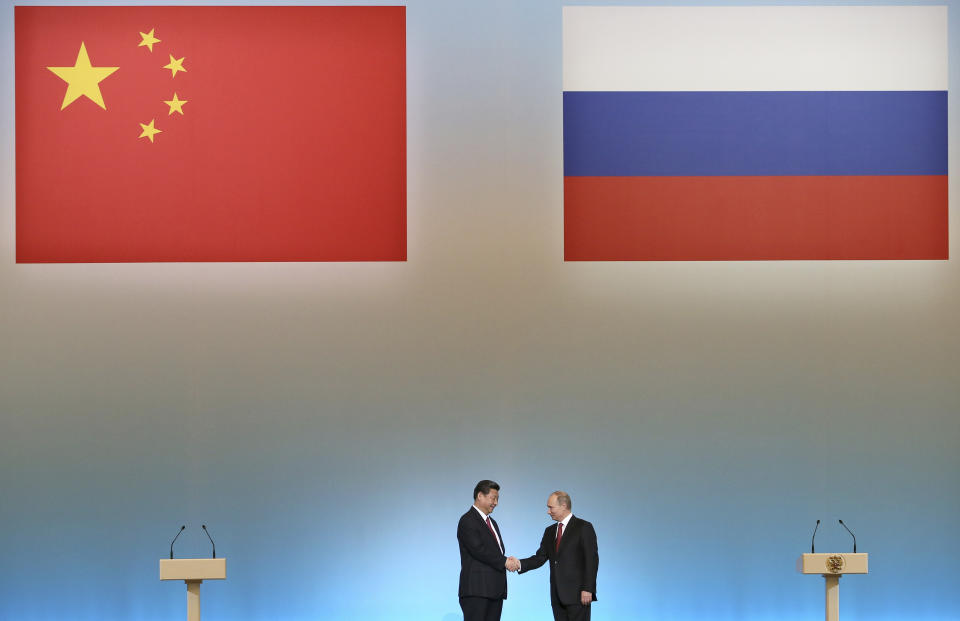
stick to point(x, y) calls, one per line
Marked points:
point(148, 39)
point(82, 79)
point(175, 65)
point(149, 131)
point(176, 105)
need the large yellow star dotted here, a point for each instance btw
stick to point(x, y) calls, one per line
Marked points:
point(176, 105)
point(176, 64)
point(148, 39)
point(149, 130)
point(82, 79)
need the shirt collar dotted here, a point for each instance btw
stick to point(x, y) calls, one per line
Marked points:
point(482, 514)
point(565, 521)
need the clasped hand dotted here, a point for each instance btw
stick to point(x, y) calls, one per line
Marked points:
point(512, 564)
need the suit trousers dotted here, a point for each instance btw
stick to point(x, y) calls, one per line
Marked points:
point(573, 612)
point(481, 608)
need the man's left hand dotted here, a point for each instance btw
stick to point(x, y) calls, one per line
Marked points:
point(586, 597)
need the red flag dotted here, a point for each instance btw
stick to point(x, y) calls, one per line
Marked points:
point(210, 134)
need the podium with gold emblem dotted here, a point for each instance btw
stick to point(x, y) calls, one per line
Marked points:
point(832, 566)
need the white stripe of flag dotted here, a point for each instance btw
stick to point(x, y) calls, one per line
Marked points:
point(784, 48)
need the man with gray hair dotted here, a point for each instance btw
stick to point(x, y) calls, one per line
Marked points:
point(571, 547)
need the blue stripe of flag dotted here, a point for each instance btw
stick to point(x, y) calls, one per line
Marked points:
point(755, 133)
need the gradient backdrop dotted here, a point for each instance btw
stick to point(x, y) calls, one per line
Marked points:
point(328, 421)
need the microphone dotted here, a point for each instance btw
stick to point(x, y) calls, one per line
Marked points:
point(814, 536)
point(204, 527)
point(852, 535)
point(182, 528)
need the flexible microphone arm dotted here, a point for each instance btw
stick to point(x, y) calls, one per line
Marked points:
point(204, 527)
point(814, 536)
point(182, 528)
point(852, 535)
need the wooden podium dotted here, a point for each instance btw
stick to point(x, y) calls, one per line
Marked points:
point(193, 571)
point(831, 566)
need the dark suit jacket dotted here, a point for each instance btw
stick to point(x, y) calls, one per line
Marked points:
point(482, 571)
point(573, 568)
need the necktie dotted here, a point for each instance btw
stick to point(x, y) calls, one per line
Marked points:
point(495, 538)
point(559, 534)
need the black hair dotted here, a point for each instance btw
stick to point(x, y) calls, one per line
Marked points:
point(484, 487)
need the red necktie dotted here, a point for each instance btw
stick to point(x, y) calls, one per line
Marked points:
point(559, 534)
point(494, 534)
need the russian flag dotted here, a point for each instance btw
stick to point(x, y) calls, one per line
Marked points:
point(755, 133)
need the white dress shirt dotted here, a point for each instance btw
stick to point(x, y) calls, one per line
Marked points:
point(495, 535)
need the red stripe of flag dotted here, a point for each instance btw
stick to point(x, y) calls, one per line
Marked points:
point(755, 218)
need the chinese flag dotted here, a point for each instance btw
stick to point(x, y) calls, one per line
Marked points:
point(210, 134)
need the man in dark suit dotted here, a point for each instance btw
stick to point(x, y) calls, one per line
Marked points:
point(483, 562)
point(571, 547)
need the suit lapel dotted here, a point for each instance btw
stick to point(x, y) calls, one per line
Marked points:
point(501, 545)
point(483, 525)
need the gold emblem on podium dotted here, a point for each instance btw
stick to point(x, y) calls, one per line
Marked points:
point(835, 564)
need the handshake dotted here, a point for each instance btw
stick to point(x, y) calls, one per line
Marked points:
point(512, 564)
